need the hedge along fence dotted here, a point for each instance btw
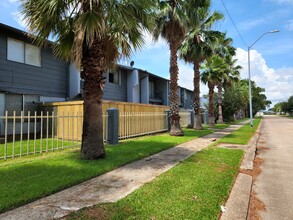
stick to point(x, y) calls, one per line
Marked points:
point(130, 124)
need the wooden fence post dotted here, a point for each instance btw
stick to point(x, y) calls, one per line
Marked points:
point(168, 119)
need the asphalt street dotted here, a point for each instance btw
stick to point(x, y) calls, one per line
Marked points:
point(274, 186)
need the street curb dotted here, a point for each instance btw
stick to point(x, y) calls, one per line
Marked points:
point(237, 204)
point(247, 162)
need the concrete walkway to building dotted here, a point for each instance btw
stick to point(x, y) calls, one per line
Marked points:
point(274, 184)
point(113, 185)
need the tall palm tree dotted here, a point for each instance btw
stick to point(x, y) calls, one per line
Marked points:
point(198, 45)
point(231, 74)
point(93, 34)
point(170, 24)
point(214, 71)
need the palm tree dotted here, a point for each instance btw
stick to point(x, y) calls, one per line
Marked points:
point(231, 74)
point(198, 45)
point(214, 71)
point(170, 25)
point(93, 34)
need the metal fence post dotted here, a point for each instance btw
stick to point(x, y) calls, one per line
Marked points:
point(191, 119)
point(168, 119)
point(113, 126)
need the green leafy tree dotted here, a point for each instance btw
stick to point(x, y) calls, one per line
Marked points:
point(286, 107)
point(93, 34)
point(236, 99)
point(171, 25)
point(259, 99)
point(199, 44)
point(278, 107)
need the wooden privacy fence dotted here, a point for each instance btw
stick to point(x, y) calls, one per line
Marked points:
point(77, 106)
point(50, 131)
point(133, 124)
point(185, 118)
point(134, 119)
point(69, 125)
point(59, 126)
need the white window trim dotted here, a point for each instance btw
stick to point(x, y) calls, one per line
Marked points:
point(24, 53)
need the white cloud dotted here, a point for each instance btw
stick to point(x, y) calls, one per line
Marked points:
point(278, 83)
point(151, 44)
point(19, 19)
point(186, 78)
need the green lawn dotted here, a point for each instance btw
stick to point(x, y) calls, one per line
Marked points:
point(238, 121)
point(29, 178)
point(217, 126)
point(34, 147)
point(287, 116)
point(242, 135)
point(194, 189)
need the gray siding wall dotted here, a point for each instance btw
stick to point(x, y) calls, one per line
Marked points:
point(117, 92)
point(48, 80)
point(144, 89)
point(188, 102)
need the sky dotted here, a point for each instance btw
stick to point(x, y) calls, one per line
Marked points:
point(271, 57)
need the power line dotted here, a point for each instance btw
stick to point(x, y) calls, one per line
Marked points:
point(234, 24)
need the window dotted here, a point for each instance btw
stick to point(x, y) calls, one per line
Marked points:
point(21, 52)
point(15, 50)
point(114, 77)
point(32, 55)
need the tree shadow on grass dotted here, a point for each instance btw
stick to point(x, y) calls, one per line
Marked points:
point(26, 180)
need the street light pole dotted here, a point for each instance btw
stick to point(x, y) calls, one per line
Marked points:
point(249, 74)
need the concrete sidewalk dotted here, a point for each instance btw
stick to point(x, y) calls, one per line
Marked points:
point(113, 185)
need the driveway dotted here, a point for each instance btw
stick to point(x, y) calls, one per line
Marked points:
point(274, 186)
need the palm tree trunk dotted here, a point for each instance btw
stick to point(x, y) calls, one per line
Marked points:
point(92, 146)
point(196, 98)
point(174, 98)
point(211, 104)
point(220, 101)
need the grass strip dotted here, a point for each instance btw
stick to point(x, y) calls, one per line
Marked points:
point(26, 179)
point(194, 189)
point(37, 146)
point(242, 135)
point(217, 126)
point(238, 121)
